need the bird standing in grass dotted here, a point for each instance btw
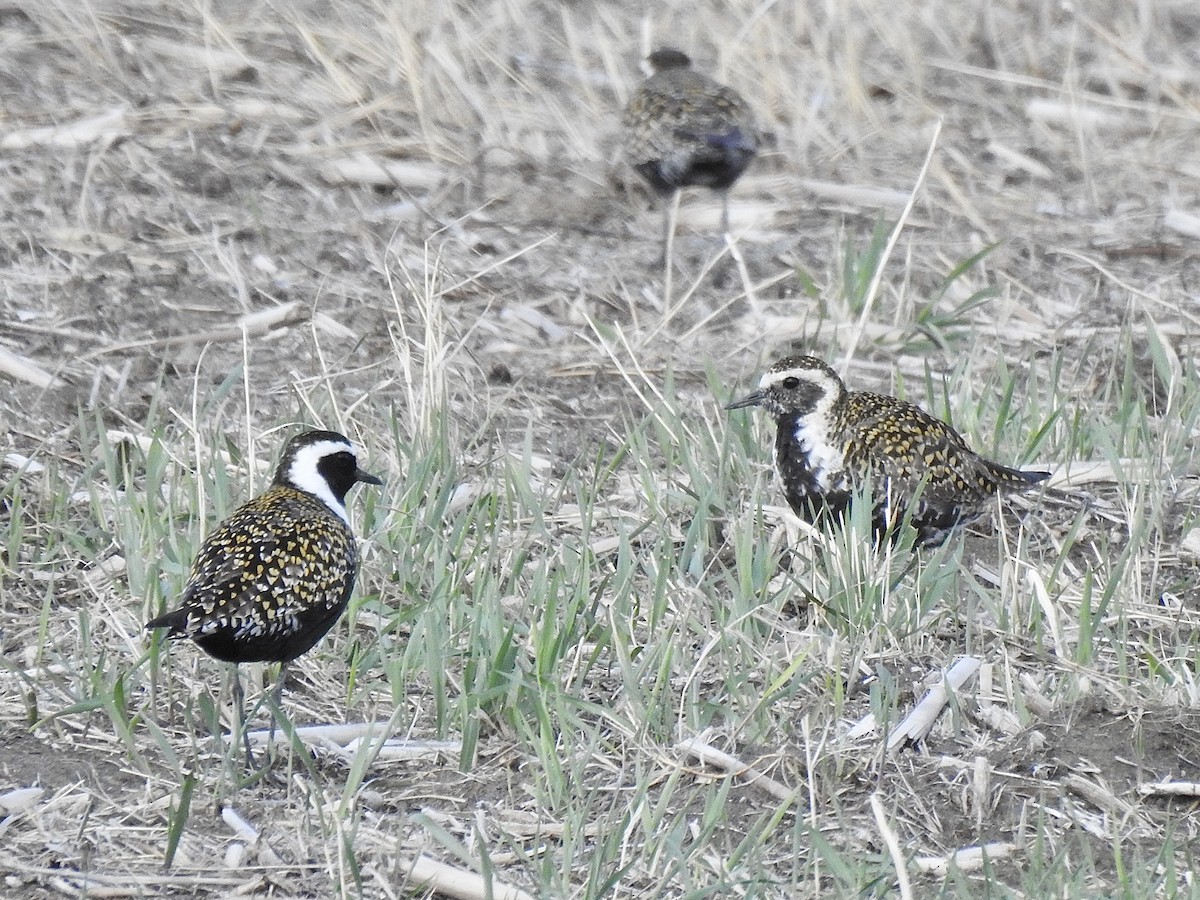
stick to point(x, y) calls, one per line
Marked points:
point(274, 576)
point(682, 128)
point(831, 443)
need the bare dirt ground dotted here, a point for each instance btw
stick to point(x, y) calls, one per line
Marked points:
point(224, 217)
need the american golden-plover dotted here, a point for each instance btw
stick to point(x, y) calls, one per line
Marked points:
point(831, 443)
point(274, 576)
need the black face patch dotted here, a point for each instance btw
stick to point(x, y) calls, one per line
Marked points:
point(340, 471)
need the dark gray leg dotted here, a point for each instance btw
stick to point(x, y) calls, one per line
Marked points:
point(239, 703)
point(667, 231)
point(276, 701)
point(670, 211)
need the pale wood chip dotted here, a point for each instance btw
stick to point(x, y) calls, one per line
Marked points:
point(1160, 789)
point(969, 859)
point(25, 369)
point(710, 755)
point(359, 168)
point(107, 126)
point(918, 723)
point(458, 883)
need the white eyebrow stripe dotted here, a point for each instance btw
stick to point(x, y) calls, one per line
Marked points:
point(817, 376)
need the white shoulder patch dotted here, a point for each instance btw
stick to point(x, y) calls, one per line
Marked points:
point(824, 459)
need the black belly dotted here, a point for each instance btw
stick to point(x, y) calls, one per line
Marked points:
point(277, 644)
point(711, 160)
point(804, 493)
point(933, 520)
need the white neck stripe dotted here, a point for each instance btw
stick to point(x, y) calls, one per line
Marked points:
point(303, 473)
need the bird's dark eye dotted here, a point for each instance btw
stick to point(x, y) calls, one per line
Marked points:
point(791, 383)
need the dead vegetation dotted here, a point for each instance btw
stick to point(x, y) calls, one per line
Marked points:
point(604, 662)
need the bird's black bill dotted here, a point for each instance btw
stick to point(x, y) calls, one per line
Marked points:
point(367, 477)
point(749, 400)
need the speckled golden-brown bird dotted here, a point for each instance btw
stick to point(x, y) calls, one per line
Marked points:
point(831, 443)
point(682, 128)
point(274, 576)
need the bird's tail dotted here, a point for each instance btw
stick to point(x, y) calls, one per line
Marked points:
point(734, 140)
point(176, 620)
point(1017, 479)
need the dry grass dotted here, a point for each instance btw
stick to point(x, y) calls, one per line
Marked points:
point(605, 663)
